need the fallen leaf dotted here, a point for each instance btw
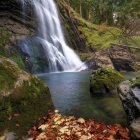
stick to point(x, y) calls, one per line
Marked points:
point(81, 120)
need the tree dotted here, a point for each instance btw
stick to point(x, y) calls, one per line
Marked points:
point(101, 11)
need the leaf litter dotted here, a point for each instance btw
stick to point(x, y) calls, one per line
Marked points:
point(58, 127)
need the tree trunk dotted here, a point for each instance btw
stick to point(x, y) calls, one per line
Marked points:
point(80, 8)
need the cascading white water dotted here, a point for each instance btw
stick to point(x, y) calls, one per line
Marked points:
point(60, 56)
point(22, 4)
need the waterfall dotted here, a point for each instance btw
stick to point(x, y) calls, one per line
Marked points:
point(51, 39)
point(22, 6)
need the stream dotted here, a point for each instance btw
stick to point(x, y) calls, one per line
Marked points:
point(70, 94)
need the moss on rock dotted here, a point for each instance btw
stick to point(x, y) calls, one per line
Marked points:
point(95, 37)
point(21, 93)
point(105, 80)
point(136, 82)
point(4, 40)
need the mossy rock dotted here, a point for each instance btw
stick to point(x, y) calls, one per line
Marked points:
point(105, 81)
point(136, 82)
point(21, 93)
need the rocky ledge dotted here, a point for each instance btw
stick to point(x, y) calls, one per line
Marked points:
point(119, 57)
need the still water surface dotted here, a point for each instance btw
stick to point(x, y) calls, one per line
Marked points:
point(70, 94)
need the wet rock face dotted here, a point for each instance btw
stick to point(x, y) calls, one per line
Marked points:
point(13, 9)
point(131, 100)
point(129, 93)
point(13, 29)
point(103, 60)
point(119, 57)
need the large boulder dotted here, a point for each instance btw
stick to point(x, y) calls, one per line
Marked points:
point(119, 57)
point(105, 81)
point(129, 92)
point(21, 93)
point(124, 58)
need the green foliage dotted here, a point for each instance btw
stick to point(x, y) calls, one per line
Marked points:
point(102, 10)
point(5, 108)
point(99, 36)
point(127, 9)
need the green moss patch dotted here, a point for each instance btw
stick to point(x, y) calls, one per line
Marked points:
point(4, 40)
point(21, 93)
point(8, 74)
point(105, 80)
point(136, 82)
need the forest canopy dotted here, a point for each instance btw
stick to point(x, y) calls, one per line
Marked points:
point(107, 11)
